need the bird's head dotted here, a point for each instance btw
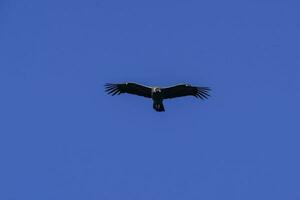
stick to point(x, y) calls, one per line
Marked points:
point(157, 90)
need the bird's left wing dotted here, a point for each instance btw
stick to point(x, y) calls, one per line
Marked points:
point(185, 90)
point(131, 88)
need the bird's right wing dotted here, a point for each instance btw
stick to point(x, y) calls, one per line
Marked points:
point(130, 88)
point(185, 90)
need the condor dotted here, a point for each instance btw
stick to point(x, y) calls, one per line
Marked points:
point(158, 94)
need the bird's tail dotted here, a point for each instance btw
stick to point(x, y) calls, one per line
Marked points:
point(159, 107)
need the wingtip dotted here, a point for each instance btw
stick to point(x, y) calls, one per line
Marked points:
point(203, 93)
point(112, 89)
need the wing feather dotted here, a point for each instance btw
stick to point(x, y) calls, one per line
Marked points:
point(185, 90)
point(130, 88)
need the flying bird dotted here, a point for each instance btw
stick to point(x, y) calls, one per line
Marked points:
point(158, 94)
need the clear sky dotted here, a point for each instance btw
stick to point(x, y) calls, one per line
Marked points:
point(62, 137)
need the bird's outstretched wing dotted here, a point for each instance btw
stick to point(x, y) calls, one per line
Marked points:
point(185, 90)
point(130, 88)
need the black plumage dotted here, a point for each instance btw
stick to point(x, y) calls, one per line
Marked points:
point(158, 94)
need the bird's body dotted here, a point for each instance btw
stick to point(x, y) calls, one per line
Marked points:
point(158, 94)
point(157, 98)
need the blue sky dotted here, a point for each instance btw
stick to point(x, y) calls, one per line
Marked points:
point(63, 138)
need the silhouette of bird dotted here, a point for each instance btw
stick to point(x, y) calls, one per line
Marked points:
point(158, 94)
